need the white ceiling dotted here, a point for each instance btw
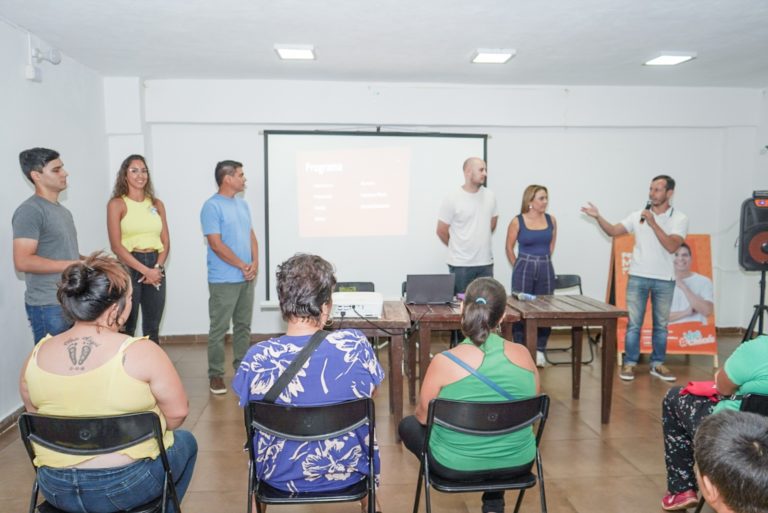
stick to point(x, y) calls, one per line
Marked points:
point(574, 42)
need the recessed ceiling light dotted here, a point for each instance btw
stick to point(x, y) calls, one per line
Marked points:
point(296, 52)
point(670, 58)
point(493, 55)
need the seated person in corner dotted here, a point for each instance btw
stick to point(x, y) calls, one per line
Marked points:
point(507, 364)
point(342, 368)
point(692, 300)
point(744, 372)
point(93, 370)
point(731, 451)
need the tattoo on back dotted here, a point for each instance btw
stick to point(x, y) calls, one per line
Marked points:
point(86, 345)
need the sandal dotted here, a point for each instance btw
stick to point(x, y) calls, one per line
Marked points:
point(679, 501)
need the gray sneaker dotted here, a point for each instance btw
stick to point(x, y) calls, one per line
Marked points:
point(662, 372)
point(627, 372)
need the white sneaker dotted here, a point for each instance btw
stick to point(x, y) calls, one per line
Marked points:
point(541, 360)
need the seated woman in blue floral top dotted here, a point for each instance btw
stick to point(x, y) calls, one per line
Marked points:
point(342, 368)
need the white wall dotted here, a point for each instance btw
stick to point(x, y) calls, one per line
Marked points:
point(64, 112)
point(586, 143)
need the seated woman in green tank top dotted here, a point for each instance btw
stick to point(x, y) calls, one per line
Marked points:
point(507, 364)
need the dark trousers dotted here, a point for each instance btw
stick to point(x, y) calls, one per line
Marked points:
point(535, 275)
point(412, 434)
point(151, 300)
point(680, 417)
point(465, 276)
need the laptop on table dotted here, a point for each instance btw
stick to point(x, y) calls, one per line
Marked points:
point(430, 289)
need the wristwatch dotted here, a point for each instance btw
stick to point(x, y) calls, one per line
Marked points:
point(161, 267)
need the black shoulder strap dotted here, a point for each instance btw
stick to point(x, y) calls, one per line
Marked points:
point(294, 367)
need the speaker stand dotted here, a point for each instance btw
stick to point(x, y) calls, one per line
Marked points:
point(757, 316)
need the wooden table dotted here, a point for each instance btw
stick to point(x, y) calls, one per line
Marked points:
point(577, 312)
point(428, 318)
point(393, 323)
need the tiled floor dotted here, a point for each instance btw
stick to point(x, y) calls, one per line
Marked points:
point(589, 467)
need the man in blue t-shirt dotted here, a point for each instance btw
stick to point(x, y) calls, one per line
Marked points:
point(233, 261)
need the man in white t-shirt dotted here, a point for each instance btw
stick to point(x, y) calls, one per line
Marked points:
point(693, 300)
point(465, 222)
point(659, 230)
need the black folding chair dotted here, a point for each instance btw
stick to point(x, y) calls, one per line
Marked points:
point(755, 403)
point(569, 281)
point(93, 436)
point(308, 424)
point(483, 419)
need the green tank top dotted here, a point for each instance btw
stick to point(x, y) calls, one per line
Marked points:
point(468, 452)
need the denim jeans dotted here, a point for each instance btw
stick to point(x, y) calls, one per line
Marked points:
point(151, 300)
point(638, 291)
point(47, 320)
point(535, 275)
point(105, 490)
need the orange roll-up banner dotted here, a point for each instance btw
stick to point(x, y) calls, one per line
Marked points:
point(689, 332)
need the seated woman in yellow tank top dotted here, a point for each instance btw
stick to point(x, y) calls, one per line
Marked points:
point(93, 370)
point(509, 365)
point(138, 235)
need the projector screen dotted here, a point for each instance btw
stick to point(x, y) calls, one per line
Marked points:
point(361, 200)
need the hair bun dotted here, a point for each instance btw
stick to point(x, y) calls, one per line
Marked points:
point(74, 279)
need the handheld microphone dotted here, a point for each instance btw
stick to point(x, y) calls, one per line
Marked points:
point(647, 207)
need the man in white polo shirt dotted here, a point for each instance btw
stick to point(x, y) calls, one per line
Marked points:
point(659, 230)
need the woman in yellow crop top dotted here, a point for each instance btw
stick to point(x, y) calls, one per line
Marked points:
point(94, 370)
point(138, 235)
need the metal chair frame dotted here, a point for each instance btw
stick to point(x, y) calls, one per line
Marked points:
point(568, 281)
point(309, 423)
point(484, 419)
point(93, 436)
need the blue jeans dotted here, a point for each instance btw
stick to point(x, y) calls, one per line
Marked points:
point(105, 490)
point(47, 320)
point(638, 291)
point(535, 275)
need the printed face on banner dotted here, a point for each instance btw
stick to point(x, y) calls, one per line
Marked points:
point(691, 328)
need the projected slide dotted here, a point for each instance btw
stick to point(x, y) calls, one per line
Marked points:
point(366, 202)
point(353, 192)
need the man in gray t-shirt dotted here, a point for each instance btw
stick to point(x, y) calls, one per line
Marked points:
point(44, 240)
